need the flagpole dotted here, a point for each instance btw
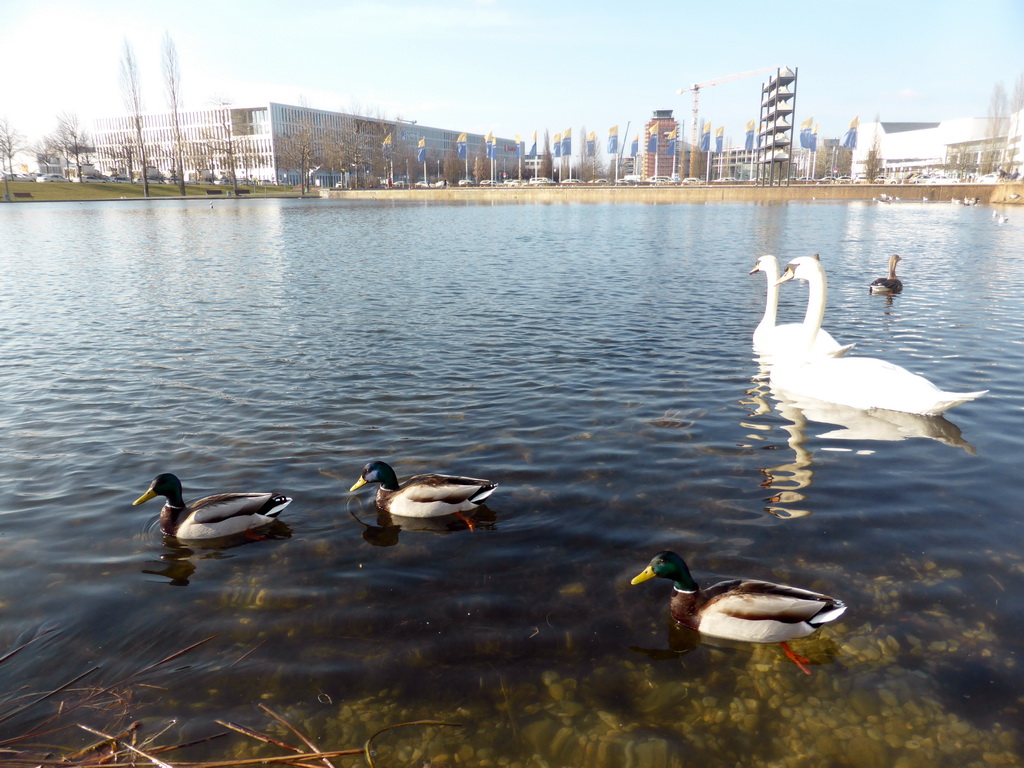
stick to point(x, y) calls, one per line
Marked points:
point(622, 148)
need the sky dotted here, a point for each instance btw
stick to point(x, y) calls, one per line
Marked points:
point(516, 67)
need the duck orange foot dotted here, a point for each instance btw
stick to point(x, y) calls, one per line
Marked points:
point(801, 661)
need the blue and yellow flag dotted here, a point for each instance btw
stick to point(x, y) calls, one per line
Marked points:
point(533, 149)
point(591, 144)
point(557, 145)
point(671, 136)
point(519, 146)
point(634, 148)
point(749, 144)
point(613, 140)
point(719, 138)
point(814, 139)
point(652, 139)
point(489, 139)
point(421, 152)
point(850, 139)
point(705, 138)
point(460, 146)
point(567, 143)
point(805, 133)
point(387, 145)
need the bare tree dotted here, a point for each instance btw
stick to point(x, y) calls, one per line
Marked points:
point(547, 164)
point(481, 165)
point(1016, 107)
point(297, 148)
point(131, 92)
point(997, 121)
point(172, 91)
point(71, 140)
point(591, 164)
point(223, 139)
point(873, 159)
point(11, 143)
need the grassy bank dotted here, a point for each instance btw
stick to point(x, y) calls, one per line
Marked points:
point(51, 191)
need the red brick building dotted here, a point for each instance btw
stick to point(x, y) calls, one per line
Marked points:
point(664, 161)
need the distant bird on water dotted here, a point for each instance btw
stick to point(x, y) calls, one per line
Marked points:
point(890, 284)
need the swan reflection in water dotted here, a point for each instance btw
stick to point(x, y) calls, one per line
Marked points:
point(388, 526)
point(788, 479)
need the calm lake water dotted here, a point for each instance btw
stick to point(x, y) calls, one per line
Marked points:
point(595, 360)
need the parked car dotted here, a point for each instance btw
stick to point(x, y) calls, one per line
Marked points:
point(988, 178)
point(511, 182)
point(120, 180)
point(422, 184)
point(466, 182)
point(660, 180)
point(571, 181)
point(488, 183)
point(46, 177)
point(540, 181)
point(600, 181)
point(630, 178)
point(691, 180)
point(726, 180)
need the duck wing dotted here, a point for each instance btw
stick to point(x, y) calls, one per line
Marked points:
point(223, 506)
point(764, 601)
point(887, 285)
point(447, 489)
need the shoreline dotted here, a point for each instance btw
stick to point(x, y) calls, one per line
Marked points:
point(986, 193)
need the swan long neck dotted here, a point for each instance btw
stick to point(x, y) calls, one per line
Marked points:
point(771, 304)
point(817, 292)
point(892, 268)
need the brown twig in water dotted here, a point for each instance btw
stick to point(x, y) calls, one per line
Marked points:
point(247, 654)
point(128, 746)
point(27, 643)
point(294, 730)
point(97, 746)
point(368, 743)
point(257, 735)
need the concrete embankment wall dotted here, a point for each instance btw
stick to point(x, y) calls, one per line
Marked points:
point(712, 193)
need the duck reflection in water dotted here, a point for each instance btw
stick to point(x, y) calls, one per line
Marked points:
point(178, 564)
point(815, 651)
point(388, 526)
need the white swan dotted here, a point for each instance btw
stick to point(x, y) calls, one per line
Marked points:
point(859, 382)
point(777, 341)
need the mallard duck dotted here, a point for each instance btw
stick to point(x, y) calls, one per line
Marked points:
point(890, 284)
point(857, 382)
point(424, 495)
point(779, 341)
point(742, 609)
point(222, 514)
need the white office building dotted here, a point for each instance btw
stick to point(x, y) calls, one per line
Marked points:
point(278, 143)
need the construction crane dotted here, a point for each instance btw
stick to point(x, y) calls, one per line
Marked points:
point(696, 88)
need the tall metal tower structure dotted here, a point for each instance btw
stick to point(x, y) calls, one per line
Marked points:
point(775, 129)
